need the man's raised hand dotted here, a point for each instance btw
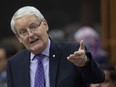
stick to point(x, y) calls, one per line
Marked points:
point(79, 57)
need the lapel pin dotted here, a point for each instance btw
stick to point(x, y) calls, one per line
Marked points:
point(53, 55)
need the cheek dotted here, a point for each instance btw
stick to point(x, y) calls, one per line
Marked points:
point(25, 42)
point(43, 35)
point(42, 31)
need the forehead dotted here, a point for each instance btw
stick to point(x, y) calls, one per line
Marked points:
point(25, 20)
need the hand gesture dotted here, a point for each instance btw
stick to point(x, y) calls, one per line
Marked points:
point(79, 57)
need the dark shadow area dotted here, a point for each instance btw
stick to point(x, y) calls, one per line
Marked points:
point(59, 13)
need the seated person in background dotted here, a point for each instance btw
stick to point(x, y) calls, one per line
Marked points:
point(110, 76)
point(92, 41)
point(3, 63)
point(57, 34)
point(6, 51)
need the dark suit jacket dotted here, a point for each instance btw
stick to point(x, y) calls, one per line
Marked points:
point(62, 72)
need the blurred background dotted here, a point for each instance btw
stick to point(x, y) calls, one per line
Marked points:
point(66, 17)
point(59, 13)
point(94, 21)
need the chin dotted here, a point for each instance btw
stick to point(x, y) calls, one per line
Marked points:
point(36, 49)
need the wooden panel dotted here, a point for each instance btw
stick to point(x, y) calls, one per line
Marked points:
point(113, 30)
point(105, 23)
point(108, 10)
point(113, 19)
point(113, 51)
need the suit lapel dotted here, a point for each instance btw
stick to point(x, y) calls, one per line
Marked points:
point(26, 69)
point(54, 62)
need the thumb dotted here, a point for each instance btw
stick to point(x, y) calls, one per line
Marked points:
point(82, 47)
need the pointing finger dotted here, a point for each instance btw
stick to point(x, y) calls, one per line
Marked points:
point(81, 45)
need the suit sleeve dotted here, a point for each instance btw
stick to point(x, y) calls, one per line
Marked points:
point(9, 76)
point(92, 72)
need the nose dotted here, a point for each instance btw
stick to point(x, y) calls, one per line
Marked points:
point(30, 32)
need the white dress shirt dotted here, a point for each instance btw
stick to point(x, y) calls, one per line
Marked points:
point(33, 66)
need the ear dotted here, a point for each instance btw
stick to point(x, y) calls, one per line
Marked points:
point(45, 23)
point(19, 38)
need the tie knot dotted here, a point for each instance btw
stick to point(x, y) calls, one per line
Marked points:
point(39, 57)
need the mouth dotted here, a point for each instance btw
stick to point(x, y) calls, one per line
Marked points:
point(33, 41)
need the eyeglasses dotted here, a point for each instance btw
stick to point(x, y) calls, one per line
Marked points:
point(32, 28)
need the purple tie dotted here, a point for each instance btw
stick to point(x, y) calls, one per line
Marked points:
point(39, 75)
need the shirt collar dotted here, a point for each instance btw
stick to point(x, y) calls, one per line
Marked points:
point(44, 52)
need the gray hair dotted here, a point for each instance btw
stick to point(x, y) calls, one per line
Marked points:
point(26, 10)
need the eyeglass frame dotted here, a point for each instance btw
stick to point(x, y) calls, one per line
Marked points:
point(26, 32)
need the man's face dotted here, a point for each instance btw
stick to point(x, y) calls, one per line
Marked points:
point(3, 60)
point(32, 33)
